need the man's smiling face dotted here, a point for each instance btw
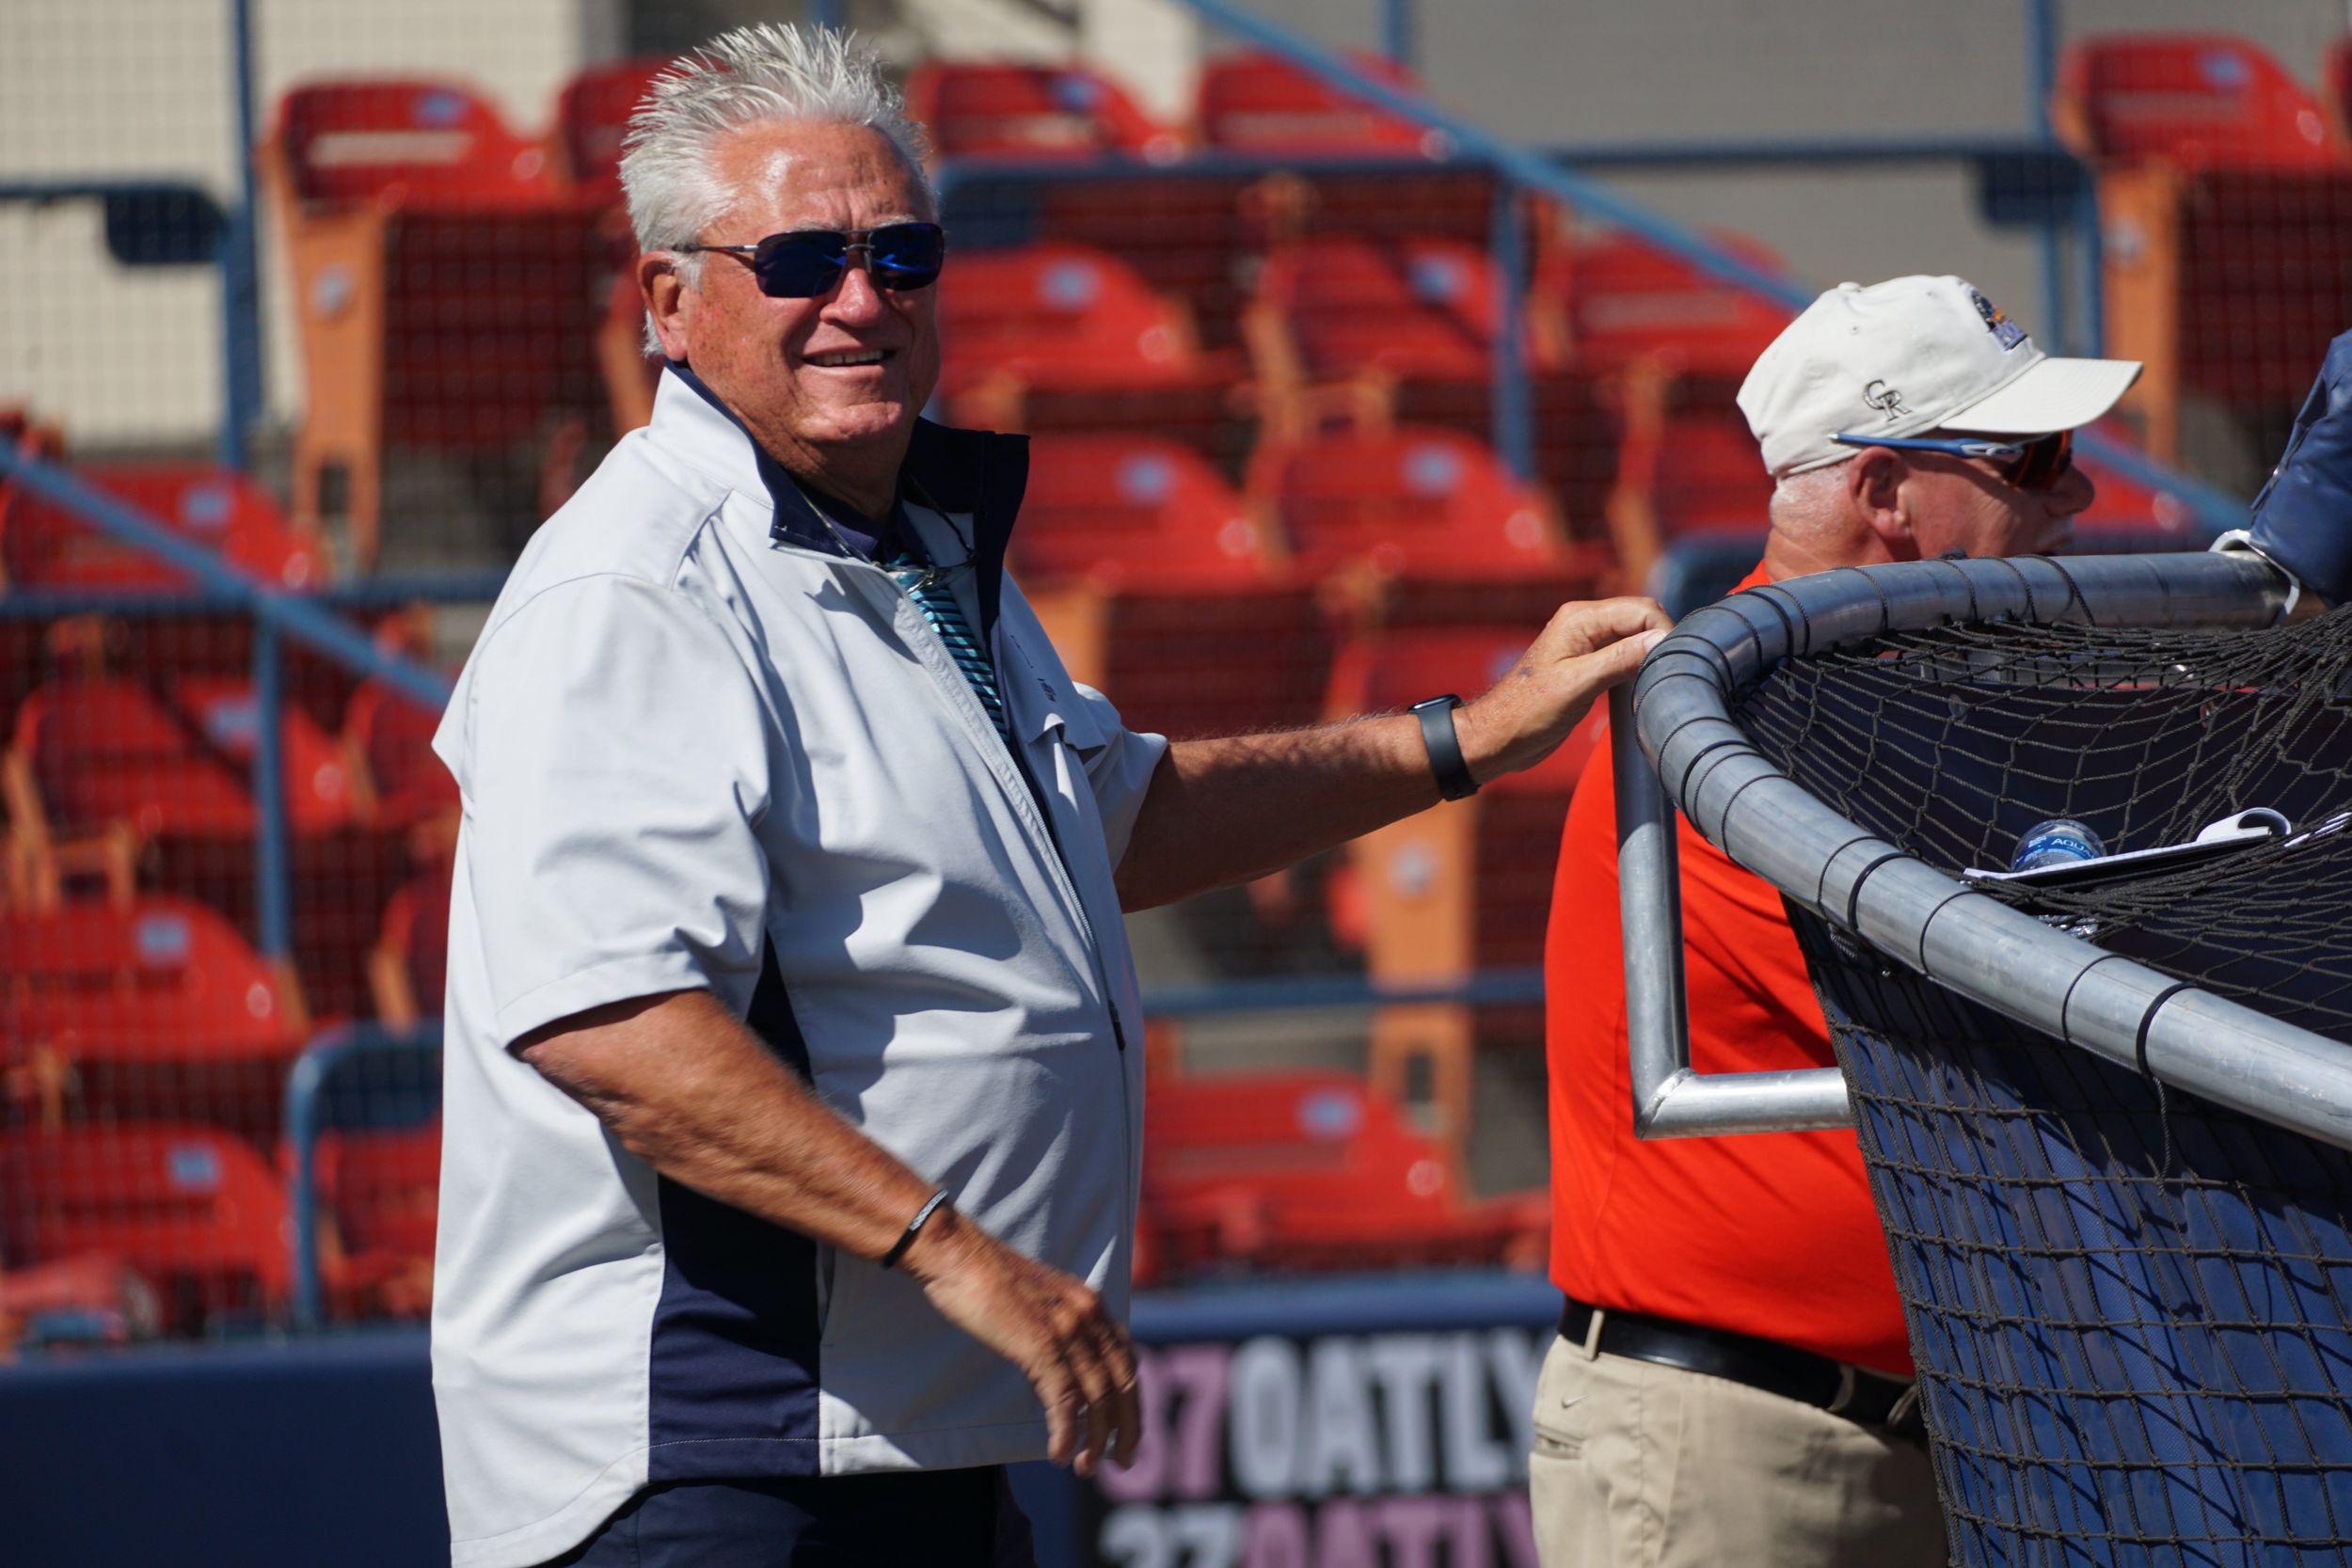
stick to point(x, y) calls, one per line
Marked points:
point(831, 385)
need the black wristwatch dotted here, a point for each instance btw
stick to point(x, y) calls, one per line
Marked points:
point(1445, 748)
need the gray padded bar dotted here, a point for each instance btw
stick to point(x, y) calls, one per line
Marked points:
point(1691, 754)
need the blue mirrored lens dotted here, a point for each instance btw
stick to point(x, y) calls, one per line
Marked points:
point(801, 266)
point(907, 255)
point(809, 263)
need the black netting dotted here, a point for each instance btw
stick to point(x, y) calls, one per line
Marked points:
point(2128, 1304)
point(1951, 742)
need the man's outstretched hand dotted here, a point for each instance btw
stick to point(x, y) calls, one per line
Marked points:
point(1586, 649)
point(1046, 1323)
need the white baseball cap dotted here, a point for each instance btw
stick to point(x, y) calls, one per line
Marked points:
point(1908, 355)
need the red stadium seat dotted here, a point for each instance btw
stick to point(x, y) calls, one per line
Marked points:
point(45, 545)
point(1627, 301)
point(1687, 466)
point(1068, 318)
point(358, 141)
point(1157, 585)
point(1406, 309)
point(2227, 205)
point(388, 747)
point(192, 1209)
point(447, 288)
point(408, 967)
point(1376, 331)
point(1311, 1170)
point(1264, 103)
point(1417, 499)
point(592, 118)
point(2195, 98)
point(318, 784)
point(94, 752)
point(160, 980)
point(382, 1186)
point(1462, 888)
point(90, 1298)
point(1671, 344)
point(1134, 510)
point(975, 109)
point(97, 751)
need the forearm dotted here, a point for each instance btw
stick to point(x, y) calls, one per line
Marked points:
point(1223, 812)
point(688, 1090)
point(1220, 812)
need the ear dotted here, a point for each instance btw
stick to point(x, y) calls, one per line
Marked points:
point(665, 294)
point(1874, 497)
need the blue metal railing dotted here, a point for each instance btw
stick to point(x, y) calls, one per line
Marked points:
point(240, 264)
point(2019, 180)
point(310, 1110)
point(1538, 172)
point(276, 613)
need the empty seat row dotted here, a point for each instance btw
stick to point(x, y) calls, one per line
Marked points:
point(385, 191)
point(1245, 103)
point(123, 1230)
point(119, 1230)
point(2225, 196)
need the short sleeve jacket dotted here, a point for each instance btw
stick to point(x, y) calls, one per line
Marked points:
point(702, 745)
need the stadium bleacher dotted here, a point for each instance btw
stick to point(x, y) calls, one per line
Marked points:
point(1257, 350)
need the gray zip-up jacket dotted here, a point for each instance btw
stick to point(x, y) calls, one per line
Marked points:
point(703, 745)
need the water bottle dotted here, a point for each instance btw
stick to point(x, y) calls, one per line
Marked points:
point(2061, 841)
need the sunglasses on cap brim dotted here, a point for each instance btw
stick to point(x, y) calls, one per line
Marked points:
point(807, 262)
point(2032, 464)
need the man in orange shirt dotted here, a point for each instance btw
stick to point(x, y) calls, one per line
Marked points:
point(1731, 1380)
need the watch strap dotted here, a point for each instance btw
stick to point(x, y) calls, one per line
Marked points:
point(1444, 746)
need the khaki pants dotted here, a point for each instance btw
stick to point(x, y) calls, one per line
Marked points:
point(1638, 1465)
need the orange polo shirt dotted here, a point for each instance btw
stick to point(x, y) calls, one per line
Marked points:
point(1771, 1234)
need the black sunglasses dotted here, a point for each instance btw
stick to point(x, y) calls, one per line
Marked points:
point(807, 262)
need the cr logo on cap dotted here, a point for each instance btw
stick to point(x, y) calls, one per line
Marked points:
point(1886, 400)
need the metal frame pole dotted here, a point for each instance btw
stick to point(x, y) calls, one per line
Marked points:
point(1513, 415)
point(240, 266)
point(272, 858)
point(2040, 73)
point(1670, 1100)
point(2001, 958)
point(1396, 31)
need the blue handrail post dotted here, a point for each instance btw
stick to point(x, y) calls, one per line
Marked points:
point(315, 1101)
point(2090, 261)
point(240, 269)
point(2041, 74)
point(1396, 31)
point(825, 13)
point(305, 1084)
point(272, 861)
point(1513, 414)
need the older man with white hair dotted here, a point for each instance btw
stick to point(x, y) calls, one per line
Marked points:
point(1732, 1380)
point(794, 1074)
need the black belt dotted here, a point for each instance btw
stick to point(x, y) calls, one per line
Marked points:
point(1866, 1398)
